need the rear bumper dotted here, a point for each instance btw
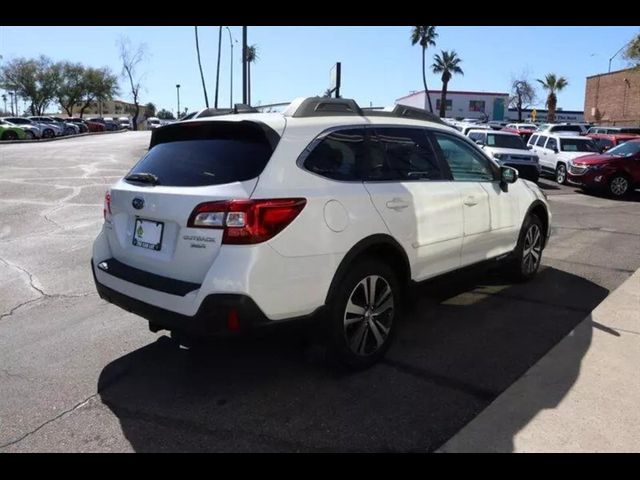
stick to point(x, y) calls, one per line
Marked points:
point(218, 314)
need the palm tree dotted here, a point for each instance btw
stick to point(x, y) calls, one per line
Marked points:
point(215, 103)
point(425, 36)
point(447, 64)
point(552, 84)
point(250, 57)
point(204, 87)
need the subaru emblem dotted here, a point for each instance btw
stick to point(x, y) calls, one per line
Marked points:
point(138, 203)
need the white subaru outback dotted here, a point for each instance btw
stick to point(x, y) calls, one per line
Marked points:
point(326, 211)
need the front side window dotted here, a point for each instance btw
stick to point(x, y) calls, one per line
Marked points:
point(475, 136)
point(465, 163)
point(408, 155)
point(551, 144)
point(533, 139)
point(339, 156)
point(541, 140)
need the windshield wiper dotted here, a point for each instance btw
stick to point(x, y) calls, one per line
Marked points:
point(143, 177)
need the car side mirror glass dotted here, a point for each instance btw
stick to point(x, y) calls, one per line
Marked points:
point(508, 174)
point(555, 149)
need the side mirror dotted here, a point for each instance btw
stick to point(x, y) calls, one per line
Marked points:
point(530, 147)
point(605, 148)
point(507, 175)
point(479, 142)
point(555, 149)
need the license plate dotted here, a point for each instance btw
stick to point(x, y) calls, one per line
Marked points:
point(148, 234)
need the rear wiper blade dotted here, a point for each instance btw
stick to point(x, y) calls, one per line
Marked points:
point(143, 177)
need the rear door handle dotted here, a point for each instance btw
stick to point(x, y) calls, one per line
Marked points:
point(470, 201)
point(397, 204)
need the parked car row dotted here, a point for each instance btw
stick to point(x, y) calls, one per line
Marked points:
point(36, 127)
point(563, 151)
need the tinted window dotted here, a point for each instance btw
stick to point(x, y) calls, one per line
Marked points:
point(604, 142)
point(505, 141)
point(466, 164)
point(212, 154)
point(566, 128)
point(408, 155)
point(630, 130)
point(552, 143)
point(339, 156)
point(541, 140)
point(533, 139)
point(577, 145)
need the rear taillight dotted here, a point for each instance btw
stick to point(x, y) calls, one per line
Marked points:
point(107, 204)
point(247, 221)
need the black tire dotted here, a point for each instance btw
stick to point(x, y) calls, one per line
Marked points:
point(520, 267)
point(619, 185)
point(30, 135)
point(359, 338)
point(48, 133)
point(561, 174)
point(9, 135)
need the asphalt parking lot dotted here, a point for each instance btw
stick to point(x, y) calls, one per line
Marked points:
point(78, 374)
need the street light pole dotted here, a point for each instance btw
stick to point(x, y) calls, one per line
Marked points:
point(178, 92)
point(231, 84)
point(244, 65)
point(616, 54)
point(11, 102)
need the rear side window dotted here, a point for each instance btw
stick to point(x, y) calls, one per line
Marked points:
point(339, 156)
point(408, 155)
point(211, 153)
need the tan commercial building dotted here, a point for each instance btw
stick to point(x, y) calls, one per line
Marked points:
point(613, 98)
point(109, 108)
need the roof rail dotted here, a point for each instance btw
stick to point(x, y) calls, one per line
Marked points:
point(324, 107)
point(404, 111)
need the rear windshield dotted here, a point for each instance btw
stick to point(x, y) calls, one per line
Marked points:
point(212, 153)
point(505, 141)
point(630, 130)
point(577, 145)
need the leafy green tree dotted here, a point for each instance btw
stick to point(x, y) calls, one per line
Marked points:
point(100, 85)
point(72, 85)
point(165, 115)
point(37, 80)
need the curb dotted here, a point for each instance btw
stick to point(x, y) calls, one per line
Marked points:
point(66, 137)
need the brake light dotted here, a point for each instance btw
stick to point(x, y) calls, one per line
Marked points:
point(107, 204)
point(247, 221)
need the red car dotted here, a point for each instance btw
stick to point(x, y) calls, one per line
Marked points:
point(95, 126)
point(605, 141)
point(617, 171)
point(525, 131)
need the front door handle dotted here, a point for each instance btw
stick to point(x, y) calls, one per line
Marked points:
point(397, 204)
point(470, 201)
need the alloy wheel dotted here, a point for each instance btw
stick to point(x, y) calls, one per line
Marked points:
point(619, 186)
point(561, 174)
point(368, 315)
point(532, 251)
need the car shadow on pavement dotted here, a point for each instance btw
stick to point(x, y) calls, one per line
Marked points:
point(462, 342)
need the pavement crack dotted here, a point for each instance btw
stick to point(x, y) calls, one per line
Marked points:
point(13, 310)
point(44, 424)
point(26, 272)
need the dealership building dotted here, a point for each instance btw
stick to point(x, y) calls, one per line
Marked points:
point(613, 98)
point(459, 104)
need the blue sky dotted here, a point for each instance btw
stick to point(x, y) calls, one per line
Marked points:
point(379, 64)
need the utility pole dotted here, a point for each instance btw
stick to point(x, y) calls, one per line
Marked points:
point(231, 82)
point(178, 92)
point(244, 65)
